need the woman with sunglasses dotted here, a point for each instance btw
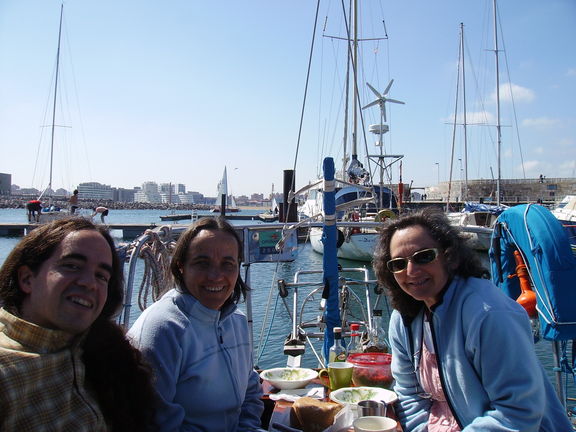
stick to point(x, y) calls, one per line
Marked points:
point(463, 357)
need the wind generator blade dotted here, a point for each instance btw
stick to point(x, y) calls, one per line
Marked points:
point(388, 88)
point(395, 101)
point(375, 91)
point(376, 102)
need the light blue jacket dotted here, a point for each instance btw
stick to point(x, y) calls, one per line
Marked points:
point(490, 374)
point(202, 360)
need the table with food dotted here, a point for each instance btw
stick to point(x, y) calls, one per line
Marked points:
point(303, 399)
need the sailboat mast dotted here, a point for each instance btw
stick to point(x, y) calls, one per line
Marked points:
point(346, 105)
point(55, 96)
point(462, 50)
point(355, 71)
point(498, 128)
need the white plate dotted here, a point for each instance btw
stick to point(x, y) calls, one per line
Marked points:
point(353, 395)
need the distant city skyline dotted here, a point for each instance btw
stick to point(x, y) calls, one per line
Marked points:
point(64, 191)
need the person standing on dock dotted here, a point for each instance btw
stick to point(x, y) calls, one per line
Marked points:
point(463, 354)
point(33, 209)
point(103, 211)
point(198, 341)
point(73, 201)
point(64, 363)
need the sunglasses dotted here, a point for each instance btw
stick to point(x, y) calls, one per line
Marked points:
point(424, 256)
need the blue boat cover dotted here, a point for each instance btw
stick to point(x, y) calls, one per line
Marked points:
point(330, 259)
point(543, 242)
point(480, 207)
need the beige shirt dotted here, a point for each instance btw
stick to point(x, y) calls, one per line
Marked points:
point(42, 385)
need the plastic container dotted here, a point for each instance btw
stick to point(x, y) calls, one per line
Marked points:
point(371, 370)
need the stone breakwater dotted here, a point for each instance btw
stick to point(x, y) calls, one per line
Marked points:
point(11, 202)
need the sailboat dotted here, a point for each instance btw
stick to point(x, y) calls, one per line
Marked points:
point(358, 197)
point(50, 211)
point(270, 215)
point(227, 203)
point(476, 219)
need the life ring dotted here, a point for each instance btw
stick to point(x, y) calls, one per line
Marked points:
point(382, 215)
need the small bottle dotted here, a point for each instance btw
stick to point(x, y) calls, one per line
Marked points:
point(378, 338)
point(354, 344)
point(337, 351)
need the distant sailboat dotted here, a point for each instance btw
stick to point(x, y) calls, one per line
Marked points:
point(51, 212)
point(270, 215)
point(227, 202)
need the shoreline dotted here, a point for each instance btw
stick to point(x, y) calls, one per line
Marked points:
point(20, 203)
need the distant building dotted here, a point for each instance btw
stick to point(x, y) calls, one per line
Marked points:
point(26, 191)
point(95, 191)
point(169, 198)
point(5, 184)
point(124, 195)
point(167, 188)
point(256, 197)
point(180, 188)
point(197, 197)
point(148, 194)
point(187, 198)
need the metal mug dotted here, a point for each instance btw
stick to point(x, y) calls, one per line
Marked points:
point(371, 408)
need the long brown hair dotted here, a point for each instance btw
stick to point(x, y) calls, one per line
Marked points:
point(461, 259)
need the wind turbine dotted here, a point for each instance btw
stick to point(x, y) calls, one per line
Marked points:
point(382, 99)
point(382, 128)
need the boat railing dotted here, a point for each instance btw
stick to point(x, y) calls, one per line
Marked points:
point(349, 304)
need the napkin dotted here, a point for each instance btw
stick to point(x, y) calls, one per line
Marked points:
point(315, 392)
point(343, 419)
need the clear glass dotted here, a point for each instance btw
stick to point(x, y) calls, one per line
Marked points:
point(355, 342)
point(378, 336)
point(337, 351)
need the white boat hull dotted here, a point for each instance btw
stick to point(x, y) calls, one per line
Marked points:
point(357, 247)
point(360, 246)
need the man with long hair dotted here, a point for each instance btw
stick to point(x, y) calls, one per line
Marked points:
point(64, 363)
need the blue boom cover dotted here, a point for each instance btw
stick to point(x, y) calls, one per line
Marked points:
point(546, 250)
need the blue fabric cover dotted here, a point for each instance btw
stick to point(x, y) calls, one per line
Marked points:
point(548, 256)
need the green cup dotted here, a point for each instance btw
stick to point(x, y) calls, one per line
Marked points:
point(339, 374)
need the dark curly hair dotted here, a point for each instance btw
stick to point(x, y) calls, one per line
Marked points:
point(181, 251)
point(461, 259)
point(38, 246)
point(115, 371)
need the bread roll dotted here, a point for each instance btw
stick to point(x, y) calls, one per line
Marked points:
point(312, 415)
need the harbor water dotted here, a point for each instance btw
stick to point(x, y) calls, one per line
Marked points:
point(271, 313)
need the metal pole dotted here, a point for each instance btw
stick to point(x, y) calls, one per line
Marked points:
point(557, 373)
point(498, 128)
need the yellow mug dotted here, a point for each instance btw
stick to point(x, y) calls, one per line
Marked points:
point(339, 374)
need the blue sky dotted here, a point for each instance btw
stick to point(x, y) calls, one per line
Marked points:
point(174, 90)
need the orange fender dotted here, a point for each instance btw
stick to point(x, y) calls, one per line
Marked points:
point(527, 298)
